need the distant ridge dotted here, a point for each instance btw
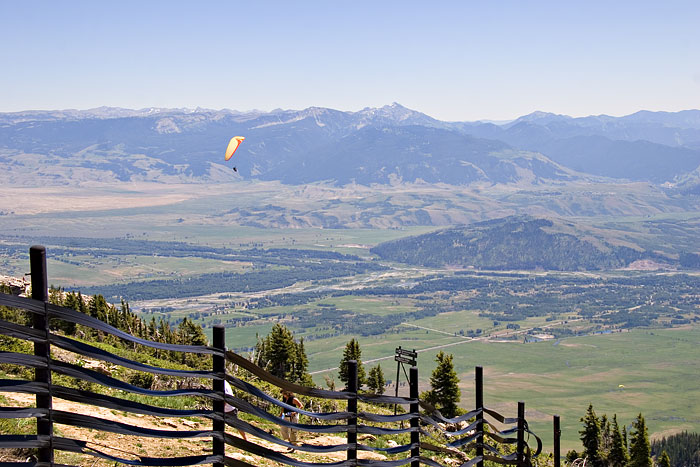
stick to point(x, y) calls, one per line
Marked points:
point(510, 243)
point(387, 145)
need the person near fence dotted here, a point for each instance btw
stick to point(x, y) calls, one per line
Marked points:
point(289, 433)
point(228, 408)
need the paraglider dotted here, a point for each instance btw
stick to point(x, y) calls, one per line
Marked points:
point(231, 148)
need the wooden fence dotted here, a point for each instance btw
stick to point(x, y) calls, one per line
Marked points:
point(430, 435)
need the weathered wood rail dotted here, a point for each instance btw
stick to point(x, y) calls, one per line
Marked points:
point(429, 433)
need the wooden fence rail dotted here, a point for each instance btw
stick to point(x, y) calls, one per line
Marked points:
point(429, 433)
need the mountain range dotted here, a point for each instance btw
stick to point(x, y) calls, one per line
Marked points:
point(386, 145)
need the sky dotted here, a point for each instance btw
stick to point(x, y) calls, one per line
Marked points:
point(453, 60)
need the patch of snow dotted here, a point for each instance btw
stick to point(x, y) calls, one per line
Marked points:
point(167, 126)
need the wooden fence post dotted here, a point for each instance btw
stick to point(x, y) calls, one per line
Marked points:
point(521, 434)
point(557, 441)
point(352, 408)
point(44, 426)
point(219, 367)
point(479, 383)
point(415, 407)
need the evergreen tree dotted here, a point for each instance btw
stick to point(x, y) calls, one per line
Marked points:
point(664, 461)
point(277, 352)
point(98, 308)
point(55, 295)
point(82, 305)
point(590, 437)
point(617, 457)
point(640, 449)
point(605, 438)
point(375, 381)
point(444, 390)
point(165, 333)
point(352, 352)
point(301, 365)
point(73, 301)
point(190, 333)
point(152, 329)
point(123, 321)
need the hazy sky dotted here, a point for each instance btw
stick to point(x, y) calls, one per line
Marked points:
point(461, 60)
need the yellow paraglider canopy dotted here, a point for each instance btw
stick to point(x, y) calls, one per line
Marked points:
point(233, 145)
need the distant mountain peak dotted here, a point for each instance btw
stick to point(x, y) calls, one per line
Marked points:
point(541, 117)
point(396, 113)
point(396, 106)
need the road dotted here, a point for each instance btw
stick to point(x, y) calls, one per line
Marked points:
point(463, 340)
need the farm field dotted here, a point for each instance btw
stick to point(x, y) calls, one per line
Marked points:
point(659, 370)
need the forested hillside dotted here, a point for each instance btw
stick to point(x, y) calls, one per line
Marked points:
point(186, 332)
point(683, 449)
point(509, 243)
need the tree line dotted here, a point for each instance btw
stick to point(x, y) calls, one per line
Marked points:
point(683, 449)
point(607, 444)
point(265, 277)
point(121, 317)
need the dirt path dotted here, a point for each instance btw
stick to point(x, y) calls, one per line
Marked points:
point(131, 447)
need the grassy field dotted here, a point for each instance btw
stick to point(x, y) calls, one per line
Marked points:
point(656, 372)
point(87, 270)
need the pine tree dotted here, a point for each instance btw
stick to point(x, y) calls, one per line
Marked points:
point(375, 381)
point(618, 451)
point(73, 301)
point(352, 352)
point(590, 437)
point(664, 460)
point(190, 333)
point(444, 391)
point(152, 328)
point(280, 354)
point(98, 308)
point(278, 351)
point(605, 438)
point(55, 295)
point(640, 449)
point(301, 365)
point(165, 333)
point(123, 318)
point(82, 307)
